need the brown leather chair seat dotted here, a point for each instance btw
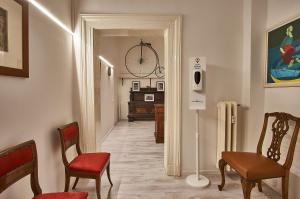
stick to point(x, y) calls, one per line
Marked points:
point(253, 166)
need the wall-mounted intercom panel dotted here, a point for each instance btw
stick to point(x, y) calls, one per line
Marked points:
point(197, 67)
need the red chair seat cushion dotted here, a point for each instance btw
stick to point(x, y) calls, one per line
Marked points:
point(253, 166)
point(90, 162)
point(63, 195)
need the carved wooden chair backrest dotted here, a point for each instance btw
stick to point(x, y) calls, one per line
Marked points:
point(280, 128)
point(69, 136)
point(17, 162)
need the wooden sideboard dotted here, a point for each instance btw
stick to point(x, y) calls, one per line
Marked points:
point(159, 123)
point(139, 109)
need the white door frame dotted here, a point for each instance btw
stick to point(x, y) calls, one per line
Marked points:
point(172, 34)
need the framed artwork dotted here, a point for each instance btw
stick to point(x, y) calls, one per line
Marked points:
point(160, 86)
point(283, 54)
point(14, 38)
point(136, 85)
point(149, 97)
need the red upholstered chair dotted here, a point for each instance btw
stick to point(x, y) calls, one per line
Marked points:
point(21, 160)
point(85, 165)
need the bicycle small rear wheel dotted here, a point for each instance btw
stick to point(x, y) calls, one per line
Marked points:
point(160, 72)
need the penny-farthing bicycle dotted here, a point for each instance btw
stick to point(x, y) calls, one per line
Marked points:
point(142, 60)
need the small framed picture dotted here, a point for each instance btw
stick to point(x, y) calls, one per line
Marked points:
point(136, 85)
point(149, 98)
point(160, 86)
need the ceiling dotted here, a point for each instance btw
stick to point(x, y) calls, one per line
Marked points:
point(129, 33)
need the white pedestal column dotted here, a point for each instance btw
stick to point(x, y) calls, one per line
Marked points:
point(197, 180)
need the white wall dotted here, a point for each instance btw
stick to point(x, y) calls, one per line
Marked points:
point(157, 43)
point(106, 88)
point(266, 14)
point(33, 108)
point(210, 28)
point(254, 60)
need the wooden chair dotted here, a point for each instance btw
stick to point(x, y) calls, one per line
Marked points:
point(21, 160)
point(85, 165)
point(254, 167)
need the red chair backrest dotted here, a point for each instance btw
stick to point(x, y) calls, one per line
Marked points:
point(70, 132)
point(69, 136)
point(17, 162)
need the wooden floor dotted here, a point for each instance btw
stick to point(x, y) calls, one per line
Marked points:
point(137, 171)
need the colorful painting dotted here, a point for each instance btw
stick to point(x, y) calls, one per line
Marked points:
point(283, 61)
point(3, 30)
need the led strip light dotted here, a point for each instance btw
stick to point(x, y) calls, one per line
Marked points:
point(50, 15)
point(105, 61)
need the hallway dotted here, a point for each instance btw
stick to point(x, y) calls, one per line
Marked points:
point(137, 171)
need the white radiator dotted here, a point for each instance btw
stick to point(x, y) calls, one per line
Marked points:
point(227, 127)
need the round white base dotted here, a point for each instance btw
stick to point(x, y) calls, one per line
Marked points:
point(194, 181)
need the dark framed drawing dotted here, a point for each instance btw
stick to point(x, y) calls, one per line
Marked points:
point(160, 86)
point(283, 54)
point(14, 38)
point(149, 97)
point(136, 85)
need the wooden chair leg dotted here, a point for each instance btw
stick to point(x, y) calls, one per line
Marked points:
point(98, 185)
point(285, 187)
point(259, 185)
point(109, 193)
point(247, 187)
point(222, 165)
point(108, 174)
point(75, 183)
point(67, 182)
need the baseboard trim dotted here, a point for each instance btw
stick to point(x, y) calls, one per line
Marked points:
point(106, 134)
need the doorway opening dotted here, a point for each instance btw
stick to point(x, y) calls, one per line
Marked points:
point(170, 26)
point(120, 95)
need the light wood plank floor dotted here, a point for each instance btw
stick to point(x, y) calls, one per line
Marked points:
point(137, 171)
